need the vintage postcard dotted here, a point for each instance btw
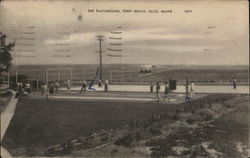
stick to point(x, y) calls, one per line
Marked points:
point(106, 78)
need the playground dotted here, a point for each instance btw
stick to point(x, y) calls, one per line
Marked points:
point(62, 115)
point(57, 117)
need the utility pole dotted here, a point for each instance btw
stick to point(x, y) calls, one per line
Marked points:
point(100, 39)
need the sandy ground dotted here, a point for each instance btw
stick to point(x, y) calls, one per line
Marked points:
point(179, 89)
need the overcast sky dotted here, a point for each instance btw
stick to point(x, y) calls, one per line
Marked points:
point(63, 32)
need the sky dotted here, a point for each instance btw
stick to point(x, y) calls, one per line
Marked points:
point(64, 32)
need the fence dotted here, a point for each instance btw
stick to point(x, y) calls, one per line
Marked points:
point(126, 77)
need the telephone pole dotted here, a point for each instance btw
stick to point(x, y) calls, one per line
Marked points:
point(100, 39)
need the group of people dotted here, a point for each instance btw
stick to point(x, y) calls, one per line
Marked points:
point(169, 89)
point(49, 88)
point(100, 84)
point(22, 89)
point(52, 87)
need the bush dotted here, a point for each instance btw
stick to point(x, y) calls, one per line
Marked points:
point(114, 150)
point(206, 114)
point(155, 131)
point(162, 151)
point(5, 94)
point(125, 141)
point(190, 118)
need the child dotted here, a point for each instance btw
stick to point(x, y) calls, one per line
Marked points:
point(84, 86)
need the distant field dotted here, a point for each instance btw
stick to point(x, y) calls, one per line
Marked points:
point(198, 75)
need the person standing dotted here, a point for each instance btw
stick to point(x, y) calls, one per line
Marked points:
point(192, 90)
point(100, 83)
point(22, 89)
point(166, 91)
point(106, 85)
point(51, 88)
point(187, 91)
point(68, 86)
point(45, 90)
point(151, 87)
point(42, 88)
point(157, 91)
point(19, 89)
point(27, 87)
point(56, 86)
point(234, 83)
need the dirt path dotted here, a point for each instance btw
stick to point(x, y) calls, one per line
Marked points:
point(180, 88)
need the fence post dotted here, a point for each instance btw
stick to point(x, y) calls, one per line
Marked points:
point(16, 76)
point(46, 76)
point(8, 79)
point(37, 84)
point(71, 77)
point(110, 76)
point(83, 75)
point(58, 75)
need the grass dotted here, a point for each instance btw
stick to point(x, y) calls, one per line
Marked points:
point(223, 134)
point(43, 123)
point(38, 124)
point(5, 97)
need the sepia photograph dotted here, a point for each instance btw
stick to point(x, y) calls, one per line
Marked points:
point(124, 78)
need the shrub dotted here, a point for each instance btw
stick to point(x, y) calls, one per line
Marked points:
point(155, 131)
point(125, 141)
point(114, 150)
point(206, 114)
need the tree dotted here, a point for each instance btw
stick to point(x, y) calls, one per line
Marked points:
point(5, 55)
